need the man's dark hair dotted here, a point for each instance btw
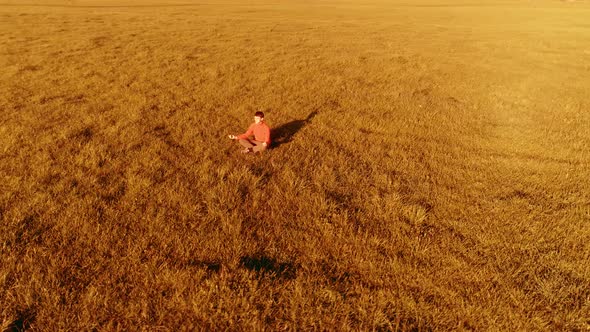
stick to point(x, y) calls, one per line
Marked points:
point(259, 114)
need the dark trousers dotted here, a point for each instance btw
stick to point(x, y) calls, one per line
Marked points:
point(256, 146)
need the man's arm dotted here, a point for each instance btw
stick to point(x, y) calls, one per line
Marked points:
point(247, 134)
point(266, 139)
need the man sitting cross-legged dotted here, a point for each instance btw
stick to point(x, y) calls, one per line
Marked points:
point(261, 132)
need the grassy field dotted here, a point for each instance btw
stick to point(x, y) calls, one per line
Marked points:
point(430, 170)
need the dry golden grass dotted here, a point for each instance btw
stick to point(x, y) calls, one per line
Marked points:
point(431, 173)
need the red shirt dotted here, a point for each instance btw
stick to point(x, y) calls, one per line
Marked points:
point(261, 132)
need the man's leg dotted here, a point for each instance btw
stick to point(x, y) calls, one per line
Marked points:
point(259, 147)
point(246, 143)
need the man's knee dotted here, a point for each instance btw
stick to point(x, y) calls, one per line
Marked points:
point(259, 148)
point(245, 143)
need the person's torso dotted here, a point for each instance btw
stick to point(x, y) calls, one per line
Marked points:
point(261, 131)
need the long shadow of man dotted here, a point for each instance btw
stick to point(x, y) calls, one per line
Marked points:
point(285, 132)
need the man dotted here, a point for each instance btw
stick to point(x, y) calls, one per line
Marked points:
point(261, 132)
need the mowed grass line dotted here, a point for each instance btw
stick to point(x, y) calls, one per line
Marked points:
point(439, 183)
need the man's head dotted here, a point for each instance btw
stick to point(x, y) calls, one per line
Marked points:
point(258, 117)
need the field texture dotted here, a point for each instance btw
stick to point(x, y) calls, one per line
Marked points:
point(430, 168)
